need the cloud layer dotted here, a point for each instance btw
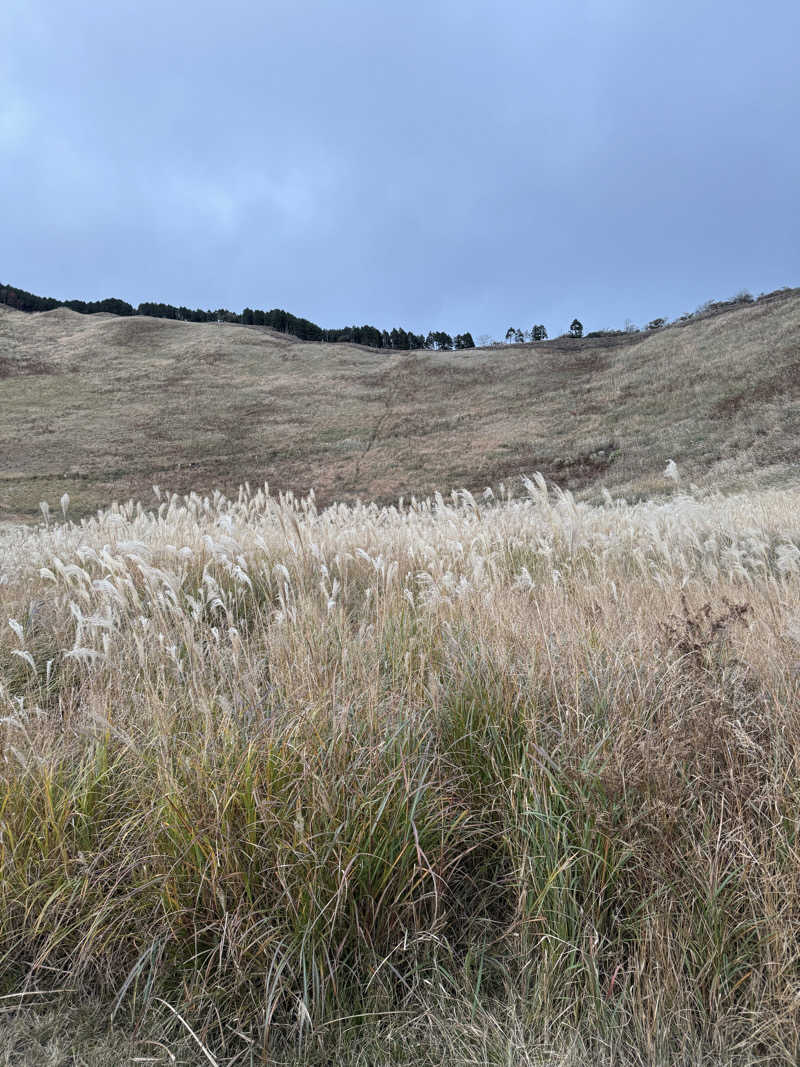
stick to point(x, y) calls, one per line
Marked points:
point(436, 165)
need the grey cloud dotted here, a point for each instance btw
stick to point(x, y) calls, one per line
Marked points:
point(437, 164)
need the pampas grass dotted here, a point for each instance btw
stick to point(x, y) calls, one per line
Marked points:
point(456, 780)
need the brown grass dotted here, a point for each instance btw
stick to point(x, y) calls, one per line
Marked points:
point(466, 782)
point(103, 407)
point(462, 781)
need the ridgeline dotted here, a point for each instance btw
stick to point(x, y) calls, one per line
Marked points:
point(104, 406)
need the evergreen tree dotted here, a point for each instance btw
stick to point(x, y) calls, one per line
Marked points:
point(112, 306)
point(371, 335)
point(576, 328)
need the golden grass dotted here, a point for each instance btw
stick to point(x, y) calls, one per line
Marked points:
point(459, 781)
point(103, 407)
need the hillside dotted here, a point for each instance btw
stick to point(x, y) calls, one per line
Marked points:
point(103, 407)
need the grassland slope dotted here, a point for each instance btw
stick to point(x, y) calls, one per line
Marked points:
point(102, 407)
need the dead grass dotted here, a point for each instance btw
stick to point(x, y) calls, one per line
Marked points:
point(462, 782)
point(495, 780)
point(103, 407)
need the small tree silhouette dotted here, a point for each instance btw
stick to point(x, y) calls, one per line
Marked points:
point(576, 328)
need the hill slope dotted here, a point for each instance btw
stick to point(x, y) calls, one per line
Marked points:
point(103, 407)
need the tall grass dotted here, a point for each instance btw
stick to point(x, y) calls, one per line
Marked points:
point(453, 781)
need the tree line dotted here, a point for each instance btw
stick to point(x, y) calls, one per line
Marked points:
point(277, 319)
point(535, 333)
point(539, 332)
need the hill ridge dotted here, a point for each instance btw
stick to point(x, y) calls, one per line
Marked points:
point(103, 406)
point(277, 319)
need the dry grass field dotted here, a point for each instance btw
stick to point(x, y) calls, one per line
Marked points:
point(470, 781)
point(504, 778)
point(104, 407)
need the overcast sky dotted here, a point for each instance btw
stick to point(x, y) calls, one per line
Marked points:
point(431, 164)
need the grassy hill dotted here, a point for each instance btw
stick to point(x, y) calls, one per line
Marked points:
point(103, 407)
point(434, 784)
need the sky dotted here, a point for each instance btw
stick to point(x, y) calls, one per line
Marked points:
point(430, 164)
